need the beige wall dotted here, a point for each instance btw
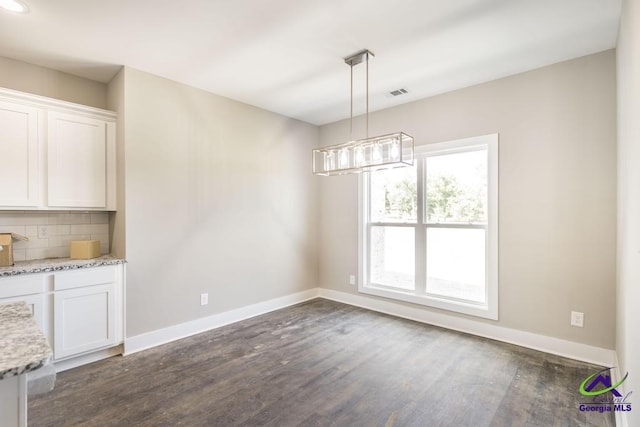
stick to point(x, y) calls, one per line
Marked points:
point(219, 199)
point(42, 81)
point(115, 102)
point(557, 191)
point(628, 287)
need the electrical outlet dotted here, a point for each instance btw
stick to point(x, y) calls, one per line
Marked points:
point(352, 279)
point(204, 299)
point(577, 319)
point(43, 231)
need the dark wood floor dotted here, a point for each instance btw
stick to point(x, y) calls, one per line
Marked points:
point(322, 363)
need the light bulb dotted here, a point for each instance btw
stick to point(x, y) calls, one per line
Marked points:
point(344, 158)
point(376, 153)
point(359, 156)
point(395, 150)
point(330, 161)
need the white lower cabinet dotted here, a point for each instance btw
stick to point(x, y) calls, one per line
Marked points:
point(79, 311)
point(31, 289)
point(84, 320)
point(87, 310)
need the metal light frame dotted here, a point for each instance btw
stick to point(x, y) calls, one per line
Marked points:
point(378, 152)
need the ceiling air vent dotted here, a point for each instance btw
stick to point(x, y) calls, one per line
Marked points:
point(398, 92)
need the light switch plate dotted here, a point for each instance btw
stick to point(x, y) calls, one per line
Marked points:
point(577, 319)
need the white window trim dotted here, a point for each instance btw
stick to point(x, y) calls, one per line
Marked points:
point(489, 310)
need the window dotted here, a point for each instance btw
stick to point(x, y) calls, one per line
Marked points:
point(429, 233)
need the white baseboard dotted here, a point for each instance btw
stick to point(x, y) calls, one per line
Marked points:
point(162, 336)
point(560, 347)
point(74, 362)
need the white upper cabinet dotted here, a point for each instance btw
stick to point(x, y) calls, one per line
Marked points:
point(58, 155)
point(77, 159)
point(19, 151)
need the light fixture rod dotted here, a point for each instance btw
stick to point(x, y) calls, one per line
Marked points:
point(367, 87)
point(351, 106)
point(351, 61)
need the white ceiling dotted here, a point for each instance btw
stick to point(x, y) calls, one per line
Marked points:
point(286, 55)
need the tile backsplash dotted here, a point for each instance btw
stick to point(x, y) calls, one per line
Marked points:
point(49, 233)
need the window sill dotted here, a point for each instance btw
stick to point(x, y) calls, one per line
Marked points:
point(483, 311)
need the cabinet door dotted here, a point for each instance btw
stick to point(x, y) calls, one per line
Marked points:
point(19, 172)
point(84, 320)
point(77, 148)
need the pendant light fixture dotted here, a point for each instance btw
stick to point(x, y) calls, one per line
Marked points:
point(378, 152)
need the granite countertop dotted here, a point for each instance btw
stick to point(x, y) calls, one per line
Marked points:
point(57, 264)
point(23, 347)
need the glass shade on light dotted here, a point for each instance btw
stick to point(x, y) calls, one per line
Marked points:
point(380, 152)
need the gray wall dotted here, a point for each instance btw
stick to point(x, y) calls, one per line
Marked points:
point(18, 75)
point(218, 195)
point(219, 199)
point(115, 102)
point(211, 205)
point(557, 191)
point(628, 287)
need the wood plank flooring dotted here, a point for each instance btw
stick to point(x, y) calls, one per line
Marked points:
point(323, 363)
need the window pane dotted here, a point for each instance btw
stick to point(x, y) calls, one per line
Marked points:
point(392, 258)
point(456, 263)
point(457, 188)
point(393, 195)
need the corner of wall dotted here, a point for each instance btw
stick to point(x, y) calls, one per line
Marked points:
point(116, 102)
point(628, 233)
